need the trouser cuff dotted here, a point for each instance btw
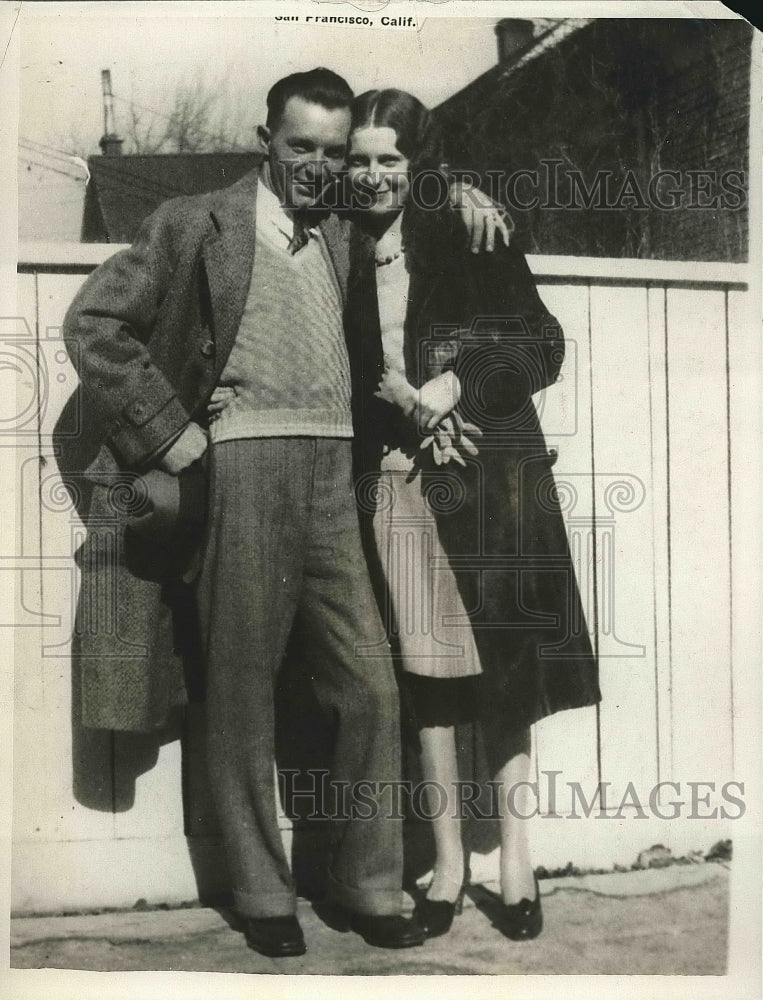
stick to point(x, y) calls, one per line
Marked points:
point(265, 904)
point(374, 902)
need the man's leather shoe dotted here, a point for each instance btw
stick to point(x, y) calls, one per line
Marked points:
point(392, 931)
point(278, 937)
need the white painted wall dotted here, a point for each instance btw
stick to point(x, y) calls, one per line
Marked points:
point(649, 421)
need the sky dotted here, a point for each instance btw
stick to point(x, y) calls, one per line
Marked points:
point(148, 55)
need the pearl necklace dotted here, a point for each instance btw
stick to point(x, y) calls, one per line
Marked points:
point(390, 247)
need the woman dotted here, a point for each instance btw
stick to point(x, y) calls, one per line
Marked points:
point(447, 349)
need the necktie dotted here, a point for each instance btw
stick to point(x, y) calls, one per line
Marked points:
point(300, 235)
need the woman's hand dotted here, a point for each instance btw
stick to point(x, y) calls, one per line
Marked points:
point(436, 398)
point(221, 398)
point(396, 389)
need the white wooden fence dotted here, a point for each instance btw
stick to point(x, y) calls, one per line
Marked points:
point(649, 421)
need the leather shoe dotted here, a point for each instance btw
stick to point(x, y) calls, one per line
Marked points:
point(521, 921)
point(436, 915)
point(277, 937)
point(385, 931)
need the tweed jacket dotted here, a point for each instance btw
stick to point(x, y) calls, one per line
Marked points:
point(149, 333)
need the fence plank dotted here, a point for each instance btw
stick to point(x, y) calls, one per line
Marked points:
point(21, 546)
point(699, 535)
point(136, 777)
point(745, 514)
point(567, 742)
point(82, 874)
point(60, 523)
point(625, 582)
point(72, 767)
point(148, 788)
point(659, 528)
point(21, 569)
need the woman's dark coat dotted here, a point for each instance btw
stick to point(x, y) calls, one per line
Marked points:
point(498, 518)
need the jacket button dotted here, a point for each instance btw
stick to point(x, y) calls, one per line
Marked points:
point(553, 454)
point(208, 348)
point(559, 377)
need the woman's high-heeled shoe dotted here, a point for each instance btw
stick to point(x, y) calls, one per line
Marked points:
point(521, 921)
point(436, 915)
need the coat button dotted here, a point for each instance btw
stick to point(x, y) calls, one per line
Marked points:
point(559, 377)
point(553, 454)
point(208, 349)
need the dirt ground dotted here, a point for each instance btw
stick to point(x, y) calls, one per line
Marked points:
point(669, 921)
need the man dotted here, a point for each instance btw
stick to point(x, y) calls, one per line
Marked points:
point(232, 288)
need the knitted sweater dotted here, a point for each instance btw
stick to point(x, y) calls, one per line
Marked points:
point(288, 365)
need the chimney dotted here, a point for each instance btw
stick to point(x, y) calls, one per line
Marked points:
point(515, 36)
point(110, 142)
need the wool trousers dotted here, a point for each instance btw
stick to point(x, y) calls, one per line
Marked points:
point(283, 549)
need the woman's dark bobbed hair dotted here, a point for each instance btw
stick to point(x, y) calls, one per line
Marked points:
point(418, 138)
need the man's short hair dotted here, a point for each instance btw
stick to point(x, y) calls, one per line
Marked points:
point(320, 86)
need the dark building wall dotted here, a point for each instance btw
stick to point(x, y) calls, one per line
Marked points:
point(618, 101)
point(702, 111)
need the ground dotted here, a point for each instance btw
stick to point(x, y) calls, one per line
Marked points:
point(669, 921)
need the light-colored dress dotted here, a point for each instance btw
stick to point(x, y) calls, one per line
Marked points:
point(427, 615)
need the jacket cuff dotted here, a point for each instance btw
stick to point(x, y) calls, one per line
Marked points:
point(138, 438)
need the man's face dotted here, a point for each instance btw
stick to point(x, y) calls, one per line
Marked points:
point(306, 149)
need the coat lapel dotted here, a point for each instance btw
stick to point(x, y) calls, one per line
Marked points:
point(363, 327)
point(229, 257)
point(336, 237)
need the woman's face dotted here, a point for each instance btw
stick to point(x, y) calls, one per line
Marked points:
point(378, 171)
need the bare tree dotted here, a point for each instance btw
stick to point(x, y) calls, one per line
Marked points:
point(201, 117)
point(197, 116)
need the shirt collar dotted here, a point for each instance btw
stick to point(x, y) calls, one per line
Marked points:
point(272, 214)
